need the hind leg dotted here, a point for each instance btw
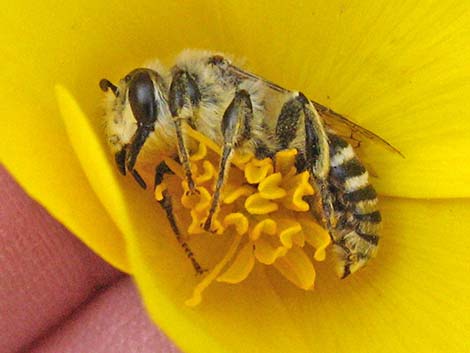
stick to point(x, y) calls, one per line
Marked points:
point(299, 112)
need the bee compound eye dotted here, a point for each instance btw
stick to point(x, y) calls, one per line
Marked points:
point(142, 98)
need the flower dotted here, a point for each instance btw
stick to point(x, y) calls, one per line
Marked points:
point(400, 70)
point(262, 202)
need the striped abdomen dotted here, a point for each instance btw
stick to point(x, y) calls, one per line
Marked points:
point(358, 220)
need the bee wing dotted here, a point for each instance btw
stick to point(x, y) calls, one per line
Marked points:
point(356, 135)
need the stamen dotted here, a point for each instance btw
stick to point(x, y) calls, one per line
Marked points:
point(241, 266)
point(262, 207)
point(197, 293)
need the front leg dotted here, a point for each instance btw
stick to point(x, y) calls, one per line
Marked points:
point(184, 99)
point(165, 202)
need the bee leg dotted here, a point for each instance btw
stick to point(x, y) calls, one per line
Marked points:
point(161, 170)
point(184, 97)
point(317, 157)
point(235, 128)
point(121, 158)
point(316, 149)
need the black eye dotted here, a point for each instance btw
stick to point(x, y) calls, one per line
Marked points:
point(142, 98)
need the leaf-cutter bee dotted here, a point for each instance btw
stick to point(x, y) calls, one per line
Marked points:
point(241, 111)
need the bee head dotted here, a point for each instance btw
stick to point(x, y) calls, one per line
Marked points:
point(133, 110)
point(352, 255)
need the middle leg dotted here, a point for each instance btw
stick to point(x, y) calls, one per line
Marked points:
point(235, 129)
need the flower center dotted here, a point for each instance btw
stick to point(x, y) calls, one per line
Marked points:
point(262, 206)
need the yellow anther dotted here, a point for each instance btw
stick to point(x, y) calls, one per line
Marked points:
point(202, 139)
point(316, 236)
point(241, 159)
point(159, 191)
point(298, 187)
point(256, 171)
point(266, 226)
point(290, 233)
point(196, 222)
point(207, 174)
point(262, 205)
point(199, 201)
point(267, 253)
point(256, 204)
point(238, 220)
point(285, 160)
point(269, 188)
point(199, 154)
point(237, 193)
point(216, 226)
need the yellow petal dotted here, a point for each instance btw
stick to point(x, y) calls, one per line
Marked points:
point(36, 55)
point(421, 262)
point(438, 167)
point(108, 243)
point(241, 266)
point(398, 69)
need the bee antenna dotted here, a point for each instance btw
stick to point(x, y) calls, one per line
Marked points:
point(106, 84)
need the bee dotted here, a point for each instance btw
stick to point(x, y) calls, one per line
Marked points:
point(238, 110)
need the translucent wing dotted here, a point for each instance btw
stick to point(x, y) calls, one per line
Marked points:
point(353, 133)
point(350, 131)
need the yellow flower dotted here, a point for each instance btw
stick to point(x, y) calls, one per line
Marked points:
point(262, 202)
point(399, 69)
